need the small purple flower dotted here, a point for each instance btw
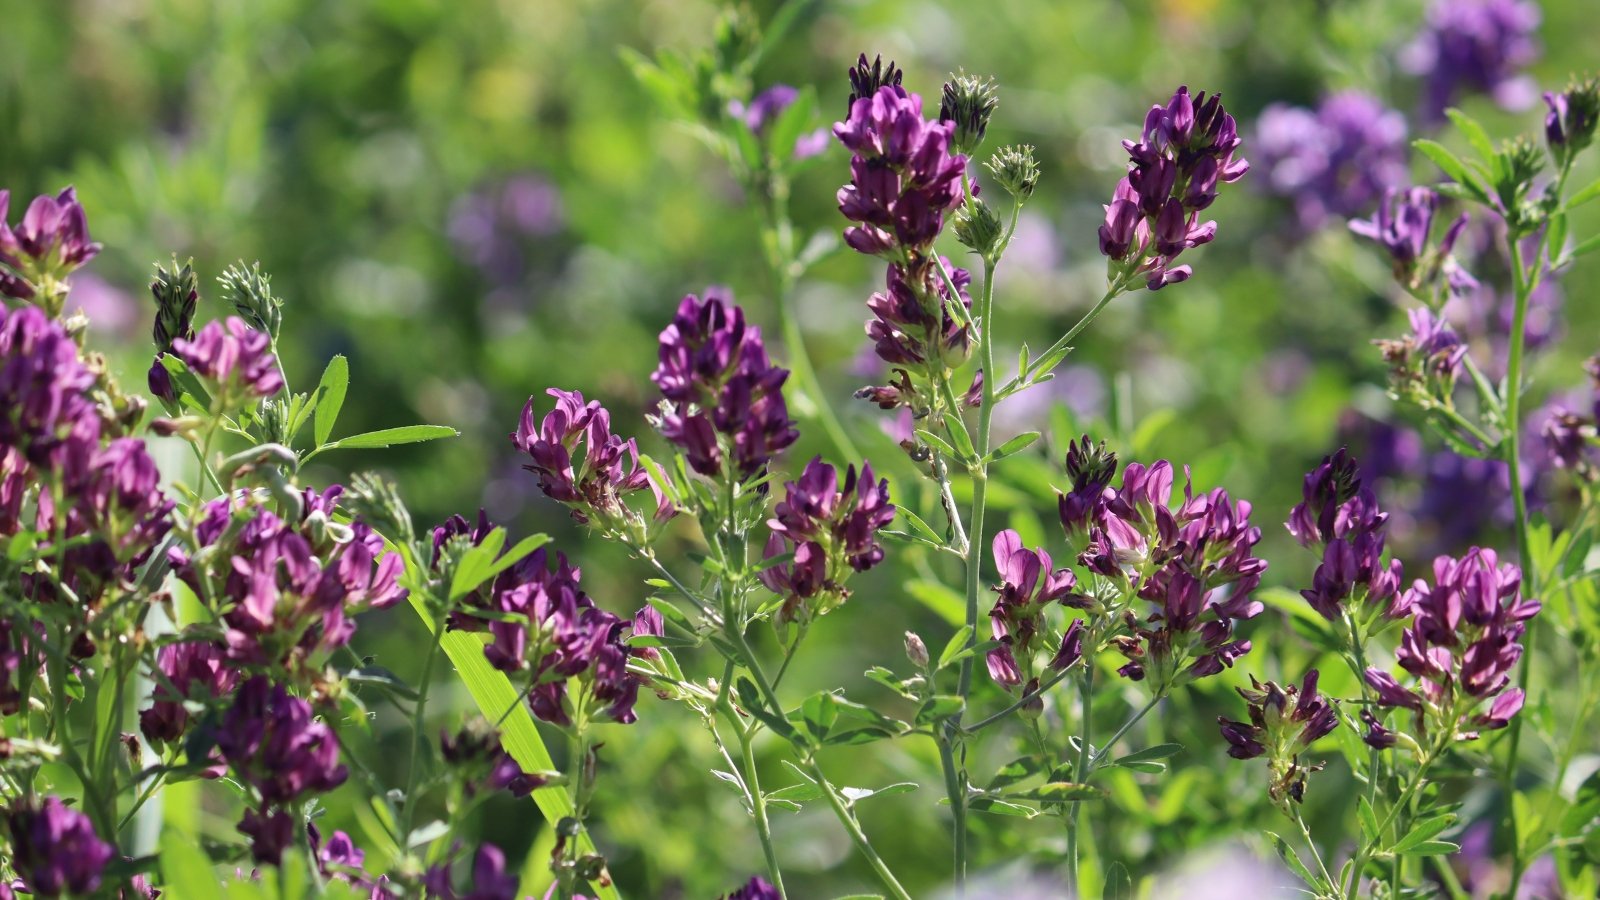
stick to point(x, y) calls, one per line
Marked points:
point(47, 245)
point(45, 412)
point(596, 488)
point(766, 107)
point(490, 879)
point(233, 356)
point(54, 849)
point(724, 396)
point(1186, 151)
point(906, 332)
point(195, 669)
point(757, 888)
point(1403, 225)
point(1028, 585)
point(480, 761)
point(831, 529)
point(1334, 161)
point(1091, 468)
point(1475, 46)
point(1284, 722)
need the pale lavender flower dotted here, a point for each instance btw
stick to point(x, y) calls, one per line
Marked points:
point(1475, 46)
point(1335, 161)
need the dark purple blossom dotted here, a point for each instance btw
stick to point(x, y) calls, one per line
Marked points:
point(481, 762)
point(912, 322)
point(54, 849)
point(44, 404)
point(1339, 516)
point(1284, 722)
point(1461, 646)
point(1091, 468)
point(903, 174)
point(832, 530)
point(1185, 153)
point(233, 356)
point(757, 888)
point(724, 396)
point(1332, 162)
point(47, 245)
point(1028, 586)
point(596, 487)
point(1475, 46)
point(196, 670)
point(490, 879)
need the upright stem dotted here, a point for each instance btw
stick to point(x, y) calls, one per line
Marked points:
point(418, 716)
point(1312, 846)
point(758, 807)
point(1080, 770)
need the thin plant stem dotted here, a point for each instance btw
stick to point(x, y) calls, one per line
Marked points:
point(419, 714)
point(758, 807)
point(1080, 770)
point(1022, 701)
point(1311, 845)
point(847, 818)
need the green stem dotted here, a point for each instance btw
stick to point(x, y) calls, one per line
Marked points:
point(847, 818)
point(1080, 770)
point(1022, 701)
point(1311, 845)
point(1100, 758)
point(418, 714)
point(758, 808)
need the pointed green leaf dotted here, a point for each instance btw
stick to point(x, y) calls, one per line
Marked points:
point(330, 398)
point(388, 437)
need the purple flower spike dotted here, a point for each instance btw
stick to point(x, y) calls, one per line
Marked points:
point(48, 244)
point(234, 356)
point(196, 669)
point(1340, 516)
point(596, 488)
point(45, 413)
point(1186, 151)
point(904, 176)
point(1403, 226)
point(1028, 585)
point(54, 849)
point(724, 396)
point(831, 529)
point(1475, 46)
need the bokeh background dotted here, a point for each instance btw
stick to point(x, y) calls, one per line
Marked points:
point(474, 200)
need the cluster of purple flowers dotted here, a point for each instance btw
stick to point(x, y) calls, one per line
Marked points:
point(903, 174)
point(757, 888)
point(1339, 516)
point(1334, 161)
point(1424, 364)
point(1570, 437)
point(490, 879)
point(1460, 647)
point(907, 330)
point(273, 743)
point(1194, 562)
point(54, 849)
point(191, 670)
point(544, 622)
point(53, 438)
point(340, 859)
point(724, 397)
point(1284, 722)
point(287, 590)
point(596, 488)
point(1478, 46)
point(51, 240)
point(1028, 585)
point(1186, 152)
point(234, 357)
point(832, 532)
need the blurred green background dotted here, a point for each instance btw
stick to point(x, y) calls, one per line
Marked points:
point(473, 200)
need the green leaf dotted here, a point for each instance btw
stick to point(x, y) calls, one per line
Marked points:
point(939, 708)
point(797, 793)
point(1150, 754)
point(999, 807)
point(855, 794)
point(1585, 807)
point(1119, 884)
point(186, 871)
point(939, 597)
point(1587, 245)
point(919, 526)
point(962, 441)
point(1019, 769)
point(1452, 167)
point(955, 645)
point(1431, 848)
point(1423, 833)
point(1015, 445)
point(1369, 819)
point(388, 437)
point(1476, 136)
point(750, 699)
point(494, 695)
point(937, 443)
point(782, 21)
point(791, 123)
point(473, 569)
point(1292, 859)
point(383, 679)
point(330, 398)
point(428, 833)
point(1060, 792)
point(1585, 195)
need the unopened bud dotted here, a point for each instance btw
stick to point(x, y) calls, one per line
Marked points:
point(250, 292)
point(916, 650)
point(1015, 170)
point(969, 101)
point(978, 228)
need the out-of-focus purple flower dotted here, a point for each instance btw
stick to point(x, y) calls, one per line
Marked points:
point(1570, 125)
point(766, 107)
point(724, 396)
point(233, 356)
point(597, 487)
point(832, 531)
point(43, 390)
point(497, 227)
point(1569, 439)
point(756, 888)
point(490, 879)
point(554, 632)
point(1403, 226)
point(1334, 161)
point(197, 670)
point(47, 245)
point(480, 761)
point(54, 848)
point(1284, 722)
point(1461, 646)
point(1475, 46)
point(1424, 364)
point(1185, 153)
point(903, 175)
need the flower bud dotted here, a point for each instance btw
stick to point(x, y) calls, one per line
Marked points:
point(866, 78)
point(1015, 170)
point(176, 291)
point(1570, 125)
point(250, 292)
point(969, 101)
point(376, 500)
point(916, 650)
point(978, 228)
